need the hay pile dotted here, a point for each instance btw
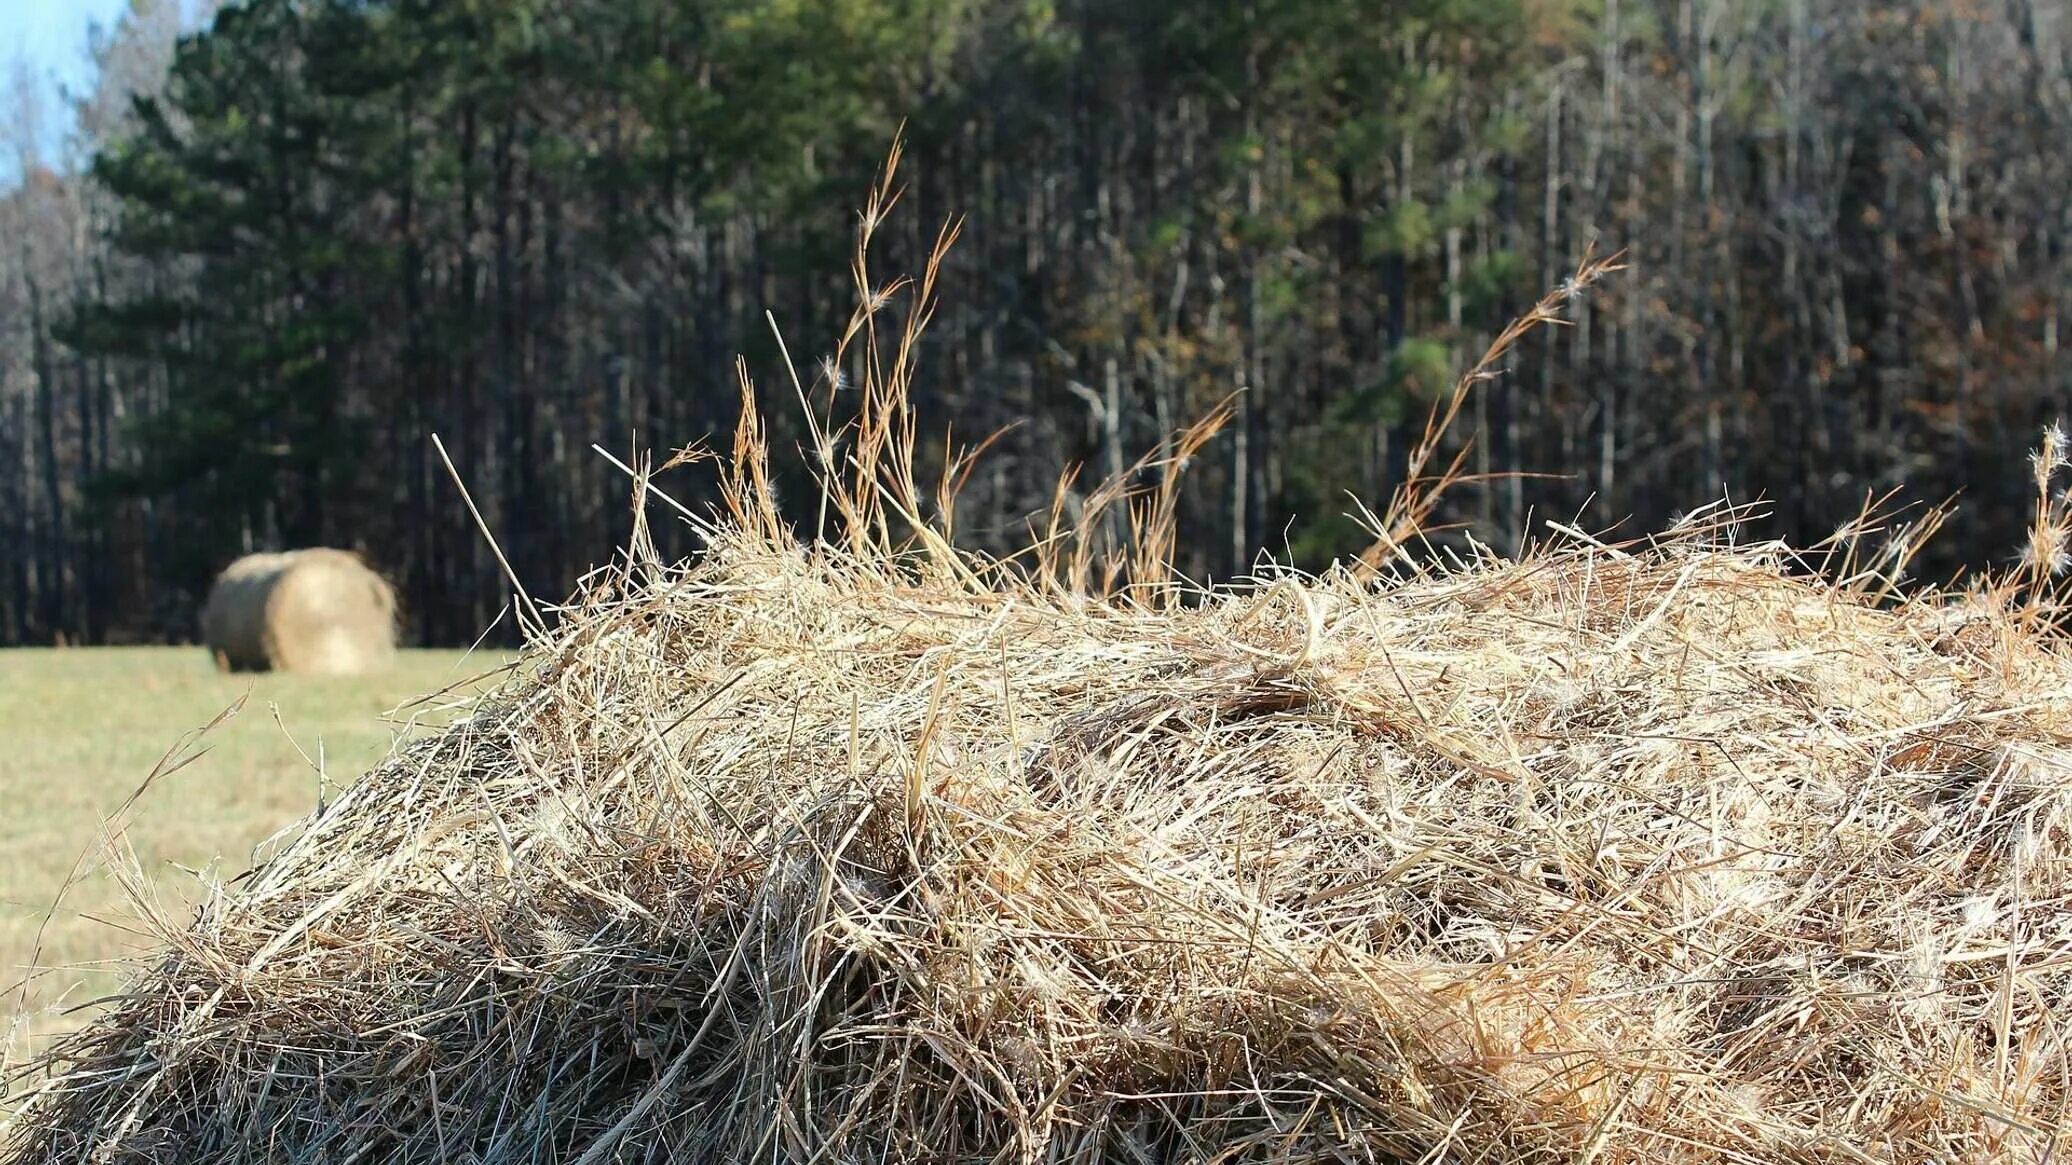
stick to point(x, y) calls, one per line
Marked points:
point(872, 852)
point(1596, 856)
point(320, 611)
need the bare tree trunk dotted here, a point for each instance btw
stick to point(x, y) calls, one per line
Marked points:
point(1705, 384)
point(1243, 461)
point(53, 570)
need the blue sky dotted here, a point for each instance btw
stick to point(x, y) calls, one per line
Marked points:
point(51, 36)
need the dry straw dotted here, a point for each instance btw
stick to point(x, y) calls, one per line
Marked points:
point(319, 611)
point(869, 851)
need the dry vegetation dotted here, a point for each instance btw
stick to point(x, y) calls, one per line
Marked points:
point(866, 850)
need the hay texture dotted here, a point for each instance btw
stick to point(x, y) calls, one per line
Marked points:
point(1648, 858)
point(865, 850)
point(319, 611)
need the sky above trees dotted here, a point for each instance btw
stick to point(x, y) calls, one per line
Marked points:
point(46, 46)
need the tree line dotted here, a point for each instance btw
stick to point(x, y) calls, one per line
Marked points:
point(302, 236)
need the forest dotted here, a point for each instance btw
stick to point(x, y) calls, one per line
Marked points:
point(291, 240)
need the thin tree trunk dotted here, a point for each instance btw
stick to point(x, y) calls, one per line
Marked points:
point(52, 571)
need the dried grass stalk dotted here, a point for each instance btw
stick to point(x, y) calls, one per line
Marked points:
point(868, 851)
point(320, 611)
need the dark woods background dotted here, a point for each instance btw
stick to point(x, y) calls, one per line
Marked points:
point(326, 229)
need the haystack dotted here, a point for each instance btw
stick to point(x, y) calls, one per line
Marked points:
point(319, 610)
point(865, 850)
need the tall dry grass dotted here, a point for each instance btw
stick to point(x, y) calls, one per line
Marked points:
point(856, 847)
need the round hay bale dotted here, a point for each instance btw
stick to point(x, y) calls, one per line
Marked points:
point(319, 611)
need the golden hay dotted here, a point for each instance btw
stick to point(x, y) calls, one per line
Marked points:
point(1666, 855)
point(869, 851)
point(320, 611)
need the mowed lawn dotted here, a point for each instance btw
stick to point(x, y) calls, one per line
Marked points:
point(82, 729)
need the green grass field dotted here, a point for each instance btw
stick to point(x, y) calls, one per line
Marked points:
point(82, 729)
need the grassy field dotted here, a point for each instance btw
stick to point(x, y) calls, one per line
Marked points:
point(84, 728)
